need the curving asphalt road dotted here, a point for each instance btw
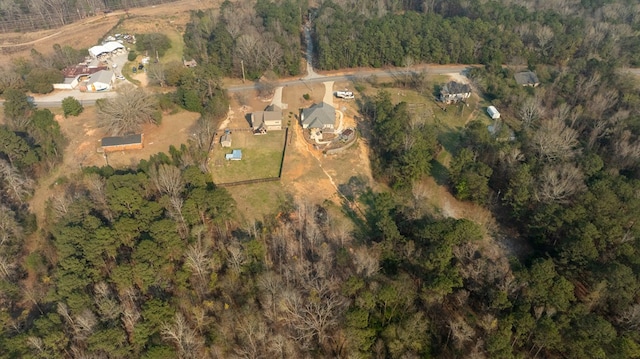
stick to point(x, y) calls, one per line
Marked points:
point(351, 75)
point(87, 98)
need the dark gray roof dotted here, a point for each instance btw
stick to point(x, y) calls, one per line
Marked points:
point(317, 116)
point(453, 88)
point(122, 140)
point(526, 78)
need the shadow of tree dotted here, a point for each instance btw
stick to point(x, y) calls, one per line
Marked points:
point(450, 140)
point(440, 173)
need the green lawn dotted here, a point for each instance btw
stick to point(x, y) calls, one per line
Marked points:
point(177, 46)
point(257, 200)
point(261, 157)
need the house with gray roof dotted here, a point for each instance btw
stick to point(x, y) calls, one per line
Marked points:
point(527, 78)
point(452, 92)
point(100, 81)
point(320, 116)
point(270, 119)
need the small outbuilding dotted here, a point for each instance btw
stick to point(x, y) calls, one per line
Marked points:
point(347, 135)
point(493, 112)
point(190, 63)
point(225, 140)
point(235, 155)
point(122, 143)
point(527, 78)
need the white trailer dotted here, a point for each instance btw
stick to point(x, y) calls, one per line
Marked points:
point(493, 112)
point(347, 95)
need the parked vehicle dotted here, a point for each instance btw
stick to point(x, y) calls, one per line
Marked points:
point(347, 95)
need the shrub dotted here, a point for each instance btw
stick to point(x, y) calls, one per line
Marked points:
point(132, 55)
point(306, 96)
point(41, 80)
point(71, 106)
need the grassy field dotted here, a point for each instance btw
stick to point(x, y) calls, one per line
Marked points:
point(255, 201)
point(261, 157)
point(177, 46)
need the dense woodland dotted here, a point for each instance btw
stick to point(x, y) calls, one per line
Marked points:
point(264, 36)
point(153, 261)
point(487, 32)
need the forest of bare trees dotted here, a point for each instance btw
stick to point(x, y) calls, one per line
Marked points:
point(17, 16)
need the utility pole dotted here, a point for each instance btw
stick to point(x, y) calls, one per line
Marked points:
point(242, 64)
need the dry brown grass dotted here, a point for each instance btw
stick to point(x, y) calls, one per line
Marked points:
point(89, 31)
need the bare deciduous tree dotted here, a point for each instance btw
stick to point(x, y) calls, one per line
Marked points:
point(553, 140)
point(311, 319)
point(460, 331)
point(108, 306)
point(156, 74)
point(17, 185)
point(125, 113)
point(366, 261)
point(10, 79)
point(630, 317)
point(167, 179)
point(530, 111)
point(272, 52)
point(97, 192)
point(626, 148)
point(180, 334)
point(7, 267)
point(558, 183)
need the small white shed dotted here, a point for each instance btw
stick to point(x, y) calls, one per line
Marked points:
point(493, 112)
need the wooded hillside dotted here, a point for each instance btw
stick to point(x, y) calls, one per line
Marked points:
point(155, 260)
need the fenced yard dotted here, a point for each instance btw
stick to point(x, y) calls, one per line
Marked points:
point(261, 157)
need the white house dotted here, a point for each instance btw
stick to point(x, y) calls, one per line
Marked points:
point(493, 112)
point(100, 81)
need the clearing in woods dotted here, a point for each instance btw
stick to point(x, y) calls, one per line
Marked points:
point(307, 173)
point(84, 140)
